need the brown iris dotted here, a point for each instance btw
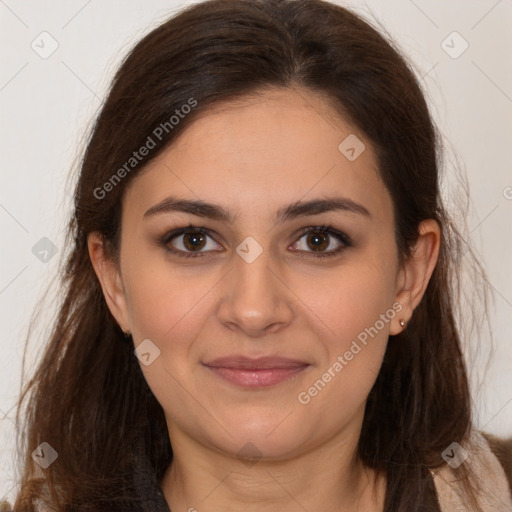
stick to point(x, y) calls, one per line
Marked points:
point(193, 241)
point(319, 241)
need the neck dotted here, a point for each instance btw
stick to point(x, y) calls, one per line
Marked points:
point(331, 477)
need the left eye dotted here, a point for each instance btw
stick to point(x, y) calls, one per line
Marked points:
point(320, 240)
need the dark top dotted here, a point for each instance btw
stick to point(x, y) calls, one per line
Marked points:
point(152, 498)
point(147, 489)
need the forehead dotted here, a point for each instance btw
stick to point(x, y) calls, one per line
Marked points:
point(261, 151)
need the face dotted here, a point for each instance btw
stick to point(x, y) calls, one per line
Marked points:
point(267, 333)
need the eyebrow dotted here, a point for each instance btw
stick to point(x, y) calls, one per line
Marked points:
point(289, 212)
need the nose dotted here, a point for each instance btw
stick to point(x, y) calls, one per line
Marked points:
point(256, 299)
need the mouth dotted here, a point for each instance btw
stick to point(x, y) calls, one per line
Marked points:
point(256, 373)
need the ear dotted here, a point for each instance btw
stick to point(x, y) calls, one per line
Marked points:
point(110, 280)
point(413, 277)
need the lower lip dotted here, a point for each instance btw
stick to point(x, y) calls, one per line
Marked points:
point(256, 378)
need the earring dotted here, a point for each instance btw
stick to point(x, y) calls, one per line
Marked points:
point(127, 334)
point(403, 323)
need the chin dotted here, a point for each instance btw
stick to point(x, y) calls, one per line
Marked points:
point(264, 438)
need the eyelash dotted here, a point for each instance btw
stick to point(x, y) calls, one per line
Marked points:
point(324, 229)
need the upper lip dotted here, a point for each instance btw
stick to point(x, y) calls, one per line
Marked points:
point(259, 363)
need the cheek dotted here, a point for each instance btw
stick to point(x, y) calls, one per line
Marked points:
point(164, 300)
point(350, 299)
point(169, 307)
point(354, 310)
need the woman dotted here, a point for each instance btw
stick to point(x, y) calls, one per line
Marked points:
point(258, 308)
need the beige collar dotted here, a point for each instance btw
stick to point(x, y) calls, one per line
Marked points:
point(495, 492)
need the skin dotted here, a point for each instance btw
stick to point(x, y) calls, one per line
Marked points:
point(254, 156)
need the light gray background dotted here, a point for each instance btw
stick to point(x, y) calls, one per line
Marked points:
point(47, 106)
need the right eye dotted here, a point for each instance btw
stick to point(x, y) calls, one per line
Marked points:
point(189, 241)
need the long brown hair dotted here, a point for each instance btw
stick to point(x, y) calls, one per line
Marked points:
point(88, 398)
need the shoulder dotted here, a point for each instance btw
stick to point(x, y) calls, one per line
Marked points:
point(493, 493)
point(502, 449)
